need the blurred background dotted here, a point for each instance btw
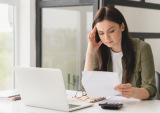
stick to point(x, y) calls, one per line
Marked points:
point(53, 34)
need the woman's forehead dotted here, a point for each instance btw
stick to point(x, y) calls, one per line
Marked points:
point(106, 25)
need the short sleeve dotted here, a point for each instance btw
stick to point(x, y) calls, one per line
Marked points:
point(148, 71)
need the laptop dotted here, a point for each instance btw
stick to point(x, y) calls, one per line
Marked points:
point(44, 87)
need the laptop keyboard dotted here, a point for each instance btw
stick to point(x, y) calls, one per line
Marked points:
point(73, 106)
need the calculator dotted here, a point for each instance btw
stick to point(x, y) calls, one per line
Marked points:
point(111, 105)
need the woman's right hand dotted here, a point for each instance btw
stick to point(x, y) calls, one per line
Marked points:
point(92, 44)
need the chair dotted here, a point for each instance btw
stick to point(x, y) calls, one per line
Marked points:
point(157, 77)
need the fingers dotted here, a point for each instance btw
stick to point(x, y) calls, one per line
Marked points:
point(125, 85)
point(89, 35)
point(116, 87)
point(99, 43)
point(94, 29)
point(93, 32)
point(125, 93)
point(127, 96)
point(126, 90)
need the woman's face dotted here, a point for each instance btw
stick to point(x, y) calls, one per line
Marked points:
point(110, 33)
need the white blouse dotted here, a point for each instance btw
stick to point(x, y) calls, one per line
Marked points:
point(117, 63)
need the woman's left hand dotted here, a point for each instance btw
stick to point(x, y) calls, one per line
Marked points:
point(126, 90)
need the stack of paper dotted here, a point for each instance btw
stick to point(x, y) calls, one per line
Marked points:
point(100, 83)
point(11, 95)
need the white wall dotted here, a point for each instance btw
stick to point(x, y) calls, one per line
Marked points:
point(26, 43)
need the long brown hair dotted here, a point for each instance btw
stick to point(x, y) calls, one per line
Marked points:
point(112, 14)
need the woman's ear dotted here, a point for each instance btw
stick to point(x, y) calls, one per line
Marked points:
point(122, 26)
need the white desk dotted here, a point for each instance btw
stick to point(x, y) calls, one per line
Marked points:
point(130, 106)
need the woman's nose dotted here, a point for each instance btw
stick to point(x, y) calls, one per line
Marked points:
point(106, 37)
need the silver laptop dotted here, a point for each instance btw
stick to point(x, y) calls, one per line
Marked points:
point(44, 87)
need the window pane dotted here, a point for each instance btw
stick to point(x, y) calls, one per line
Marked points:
point(6, 52)
point(64, 41)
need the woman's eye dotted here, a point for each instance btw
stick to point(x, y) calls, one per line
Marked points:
point(101, 33)
point(111, 31)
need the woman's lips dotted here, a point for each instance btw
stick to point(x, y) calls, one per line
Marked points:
point(109, 42)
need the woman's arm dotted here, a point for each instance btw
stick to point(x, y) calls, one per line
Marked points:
point(147, 89)
point(148, 71)
point(91, 49)
point(89, 62)
point(128, 91)
point(140, 93)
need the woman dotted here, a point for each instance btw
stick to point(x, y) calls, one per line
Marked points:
point(111, 48)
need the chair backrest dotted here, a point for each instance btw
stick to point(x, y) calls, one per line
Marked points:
point(157, 77)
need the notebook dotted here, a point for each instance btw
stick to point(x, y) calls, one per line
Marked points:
point(11, 95)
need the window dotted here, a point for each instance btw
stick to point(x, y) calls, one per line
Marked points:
point(61, 36)
point(64, 42)
point(7, 37)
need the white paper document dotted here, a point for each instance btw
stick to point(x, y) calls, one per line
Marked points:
point(100, 83)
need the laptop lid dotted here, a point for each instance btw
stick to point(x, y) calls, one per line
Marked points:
point(42, 87)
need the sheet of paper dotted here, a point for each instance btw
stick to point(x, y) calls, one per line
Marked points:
point(100, 83)
point(71, 94)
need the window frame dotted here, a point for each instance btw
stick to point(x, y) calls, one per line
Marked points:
point(15, 34)
point(9, 2)
point(57, 3)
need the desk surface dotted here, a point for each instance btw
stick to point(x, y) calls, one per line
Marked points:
point(130, 106)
